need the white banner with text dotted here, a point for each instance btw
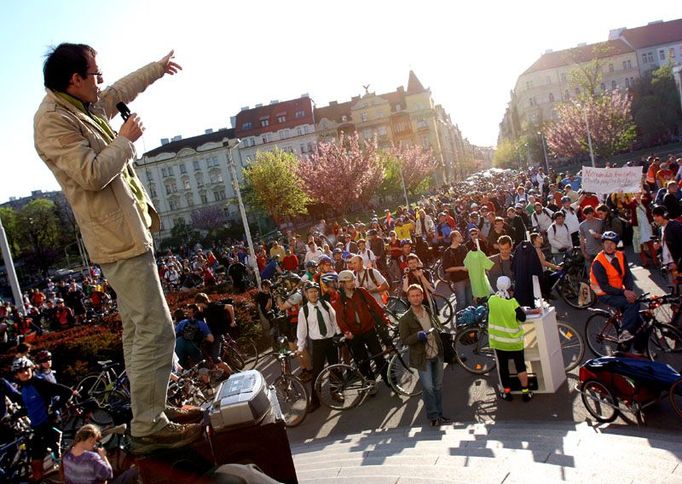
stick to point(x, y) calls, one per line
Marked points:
point(609, 180)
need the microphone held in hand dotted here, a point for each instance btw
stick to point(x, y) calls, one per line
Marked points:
point(124, 110)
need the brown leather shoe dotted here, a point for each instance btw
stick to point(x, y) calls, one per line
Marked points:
point(172, 436)
point(184, 415)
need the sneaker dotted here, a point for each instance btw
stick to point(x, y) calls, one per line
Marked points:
point(506, 396)
point(172, 436)
point(184, 415)
point(527, 396)
point(625, 336)
point(435, 422)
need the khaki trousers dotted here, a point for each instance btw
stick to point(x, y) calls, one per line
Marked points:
point(148, 338)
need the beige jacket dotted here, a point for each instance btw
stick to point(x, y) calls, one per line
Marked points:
point(88, 168)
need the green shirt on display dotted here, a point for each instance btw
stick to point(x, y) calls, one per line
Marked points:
point(477, 263)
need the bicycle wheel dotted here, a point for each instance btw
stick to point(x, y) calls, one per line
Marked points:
point(675, 397)
point(403, 379)
point(292, 398)
point(232, 357)
point(248, 351)
point(665, 345)
point(570, 288)
point(572, 345)
point(341, 387)
point(601, 335)
point(473, 350)
point(92, 387)
point(599, 401)
point(398, 306)
point(443, 308)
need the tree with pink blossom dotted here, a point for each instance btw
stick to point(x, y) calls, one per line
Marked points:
point(416, 163)
point(610, 122)
point(341, 172)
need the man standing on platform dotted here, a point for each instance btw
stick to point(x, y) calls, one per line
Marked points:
point(93, 165)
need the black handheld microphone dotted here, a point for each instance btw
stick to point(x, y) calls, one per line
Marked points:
point(124, 110)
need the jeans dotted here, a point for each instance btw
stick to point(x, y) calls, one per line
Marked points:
point(631, 319)
point(462, 290)
point(431, 380)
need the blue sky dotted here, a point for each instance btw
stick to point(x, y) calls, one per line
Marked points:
point(241, 53)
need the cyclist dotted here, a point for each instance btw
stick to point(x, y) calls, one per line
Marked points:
point(44, 369)
point(291, 305)
point(310, 270)
point(613, 283)
point(38, 398)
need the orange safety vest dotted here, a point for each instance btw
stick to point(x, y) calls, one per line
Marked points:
point(615, 279)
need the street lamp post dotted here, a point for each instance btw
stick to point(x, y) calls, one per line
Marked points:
point(544, 151)
point(589, 136)
point(242, 210)
point(11, 272)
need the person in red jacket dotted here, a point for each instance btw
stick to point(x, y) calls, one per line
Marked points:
point(358, 316)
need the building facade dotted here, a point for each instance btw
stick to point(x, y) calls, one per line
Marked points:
point(404, 116)
point(186, 175)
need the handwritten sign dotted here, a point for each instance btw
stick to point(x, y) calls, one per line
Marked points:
point(610, 180)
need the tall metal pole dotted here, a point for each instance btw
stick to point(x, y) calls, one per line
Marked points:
point(242, 210)
point(544, 150)
point(589, 137)
point(402, 180)
point(11, 272)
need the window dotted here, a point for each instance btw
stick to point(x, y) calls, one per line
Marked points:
point(532, 102)
point(185, 184)
point(203, 197)
point(299, 114)
point(382, 130)
point(610, 67)
point(247, 125)
point(216, 177)
point(627, 82)
point(299, 131)
point(170, 171)
point(173, 204)
point(200, 179)
point(551, 97)
point(281, 119)
point(182, 168)
point(264, 123)
point(363, 117)
point(264, 138)
point(196, 165)
point(661, 54)
point(211, 161)
point(421, 124)
point(284, 134)
point(644, 58)
point(306, 129)
point(189, 199)
point(171, 187)
point(152, 190)
point(627, 64)
point(649, 57)
point(563, 77)
point(219, 194)
point(310, 147)
point(529, 84)
point(614, 85)
point(671, 52)
point(567, 95)
point(164, 172)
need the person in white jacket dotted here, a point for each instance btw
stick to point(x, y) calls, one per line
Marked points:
point(424, 224)
point(570, 212)
point(559, 237)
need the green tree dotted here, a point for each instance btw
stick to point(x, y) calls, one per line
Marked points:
point(505, 154)
point(9, 222)
point(39, 233)
point(656, 106)
point(272, 184)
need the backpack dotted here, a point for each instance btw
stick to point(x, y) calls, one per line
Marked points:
point(191, 330)
point(306, 311)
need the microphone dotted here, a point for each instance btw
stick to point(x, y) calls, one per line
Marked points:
point(124, 110)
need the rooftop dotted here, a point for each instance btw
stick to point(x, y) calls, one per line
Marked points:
point(578, 55)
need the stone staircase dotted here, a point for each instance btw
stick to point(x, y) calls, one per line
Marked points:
point(493, 453)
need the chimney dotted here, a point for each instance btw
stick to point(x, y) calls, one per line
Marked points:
point(582, 44)
point(549, 51)
point(259, 105)
point(401, 89)
point(305, 94)
point(244, 108)
point(274, 101)
point(333, 103)
point(164, 141)
point(177, 137)
point(208, 131)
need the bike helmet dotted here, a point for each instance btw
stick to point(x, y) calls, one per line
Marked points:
point(312, 285)
point(566, 199)
point(329, 277)
point(346, 275)
point(610, 235)
point(21, 364)
point(310, 263)
point(481, 314)
point(43, 356)
point(338, 250)
point(466, 316)
point(405, 242)
point(324, 260)
point(291, 277)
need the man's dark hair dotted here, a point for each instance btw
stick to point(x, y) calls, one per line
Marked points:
point(587, 210)
point(660, 210)
point(504, 240)
point(64, 61)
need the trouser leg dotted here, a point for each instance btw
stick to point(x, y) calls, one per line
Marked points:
point(148, 338)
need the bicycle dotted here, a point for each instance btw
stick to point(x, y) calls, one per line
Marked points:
point(342, 386)
point(107, 387)
point(572, 279)
point(398, 305)
point(664, 343)
point(188, 388)
point(15, 459)
point(240, 354)
point(474, 354)
point(290, 390)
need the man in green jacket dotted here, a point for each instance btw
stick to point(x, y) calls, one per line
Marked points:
point(93, 165)
point(419, 331)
